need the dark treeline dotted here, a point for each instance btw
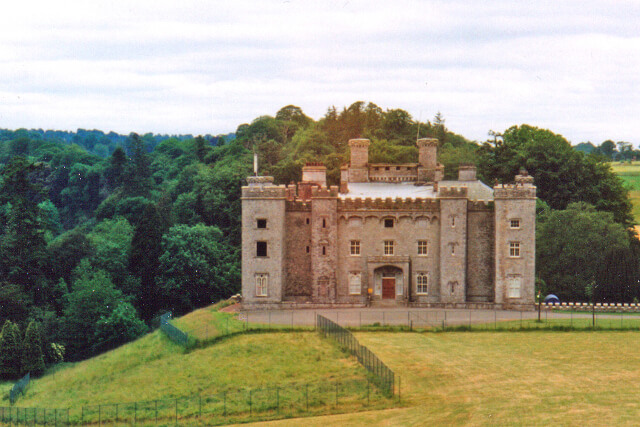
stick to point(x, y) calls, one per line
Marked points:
point(94, 246)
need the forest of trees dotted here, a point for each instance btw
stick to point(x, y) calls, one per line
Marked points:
point(100, 233)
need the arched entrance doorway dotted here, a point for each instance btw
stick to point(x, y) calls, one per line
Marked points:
point(390, 280)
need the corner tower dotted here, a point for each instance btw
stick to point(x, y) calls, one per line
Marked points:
point(263, 245)
point(515, 247)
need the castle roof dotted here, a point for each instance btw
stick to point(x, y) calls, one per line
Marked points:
point(477, 190)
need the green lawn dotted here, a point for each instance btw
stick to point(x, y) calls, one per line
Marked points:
point(506, 378)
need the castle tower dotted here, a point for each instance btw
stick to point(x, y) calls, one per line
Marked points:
point(324, 244)
point(263, 245)
point(359, 149)
point(453, 244)
point(428, 169)
point(515, 225)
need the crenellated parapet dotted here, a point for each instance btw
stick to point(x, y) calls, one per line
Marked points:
point(514, 191)
point(480, 206)
point(320, 192)
point(453, 192)
point(272, 191)
point(388, 204)
point(297, 206)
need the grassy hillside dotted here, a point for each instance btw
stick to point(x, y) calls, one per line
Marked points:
point(630, 174)
point(153, 367)
point(517, 378)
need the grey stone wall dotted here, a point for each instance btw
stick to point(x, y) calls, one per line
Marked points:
point(263, 201)
point(480, 255)
point(453, 248)
point(298, 259)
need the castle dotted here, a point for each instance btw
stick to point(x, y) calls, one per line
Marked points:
point(390, 235)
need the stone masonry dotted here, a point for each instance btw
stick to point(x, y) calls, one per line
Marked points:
point(389, 234)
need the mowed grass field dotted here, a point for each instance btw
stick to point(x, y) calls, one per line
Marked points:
point(630, 174)
point(505, 378)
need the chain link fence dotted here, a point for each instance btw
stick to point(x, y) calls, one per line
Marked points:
point(19, 388)
point(385, 377)
point(229, 406)
point(172, 331)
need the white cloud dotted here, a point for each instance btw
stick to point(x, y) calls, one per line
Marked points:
point(202, 66)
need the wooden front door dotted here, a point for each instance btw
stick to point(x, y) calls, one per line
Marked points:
point(388, 288)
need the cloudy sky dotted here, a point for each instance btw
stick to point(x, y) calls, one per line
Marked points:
point(207, 66)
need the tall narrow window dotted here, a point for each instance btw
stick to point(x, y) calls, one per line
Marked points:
point(324, 250)
point(514, 284)
point(324, 223)
point(355, 247)
point(514, 249)
point(422, 284)
point(307, 221)
point(355, 283)
point(262, 284)
point(453, 221)
point(262, 223)
point(261, 248)
point(422, 247)
point(388, 247)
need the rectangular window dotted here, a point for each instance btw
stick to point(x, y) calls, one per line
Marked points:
point(262, 282)
point(355, 247)
point(388, 223)
point(388, 247)
point(262, 223)
point(422, 284)
point(324, 223)
point(261, 248)
point(514, 223)
point(453, 221)
point(514, 249)
point(422, 247)
point(355, 283)
point(513, 286)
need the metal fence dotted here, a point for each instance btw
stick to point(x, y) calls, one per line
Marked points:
point(33, 416)
point(19, 388)
point(221, 408)
point(385, 377)
point(173, 332)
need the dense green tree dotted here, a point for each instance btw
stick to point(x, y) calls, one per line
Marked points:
point(562, 175)
point(121, 326)
point(137, 174)
point(572, 244)
point(146, 248)
point(617, 277)
point(93, 296)
point(32, 358)
point(14, 303)
point(10, 351)
point(196, 268)
point(117, 166)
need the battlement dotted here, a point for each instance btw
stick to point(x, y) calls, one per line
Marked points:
point(324, 191)
point(400, 204)
point(359, 142)
point(260, 192)
point(480, 205)
point(427, 142)
point(259, 180)
point(453, 192)
point(297, 206)
point(514, 191)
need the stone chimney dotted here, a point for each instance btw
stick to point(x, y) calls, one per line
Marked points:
point(467, 172)
point(315, 172)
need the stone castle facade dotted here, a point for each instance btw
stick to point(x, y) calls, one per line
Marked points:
point(392, 234)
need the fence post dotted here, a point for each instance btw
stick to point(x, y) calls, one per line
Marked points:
point(135, 412)
point(307, 396)
point(82, 417)
point(224, 396)
point(277, 399)
point(176, 411)
point(156, 412)
point(368, 400)
point(199, 406)
point(99, 414)
point(250, 408)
